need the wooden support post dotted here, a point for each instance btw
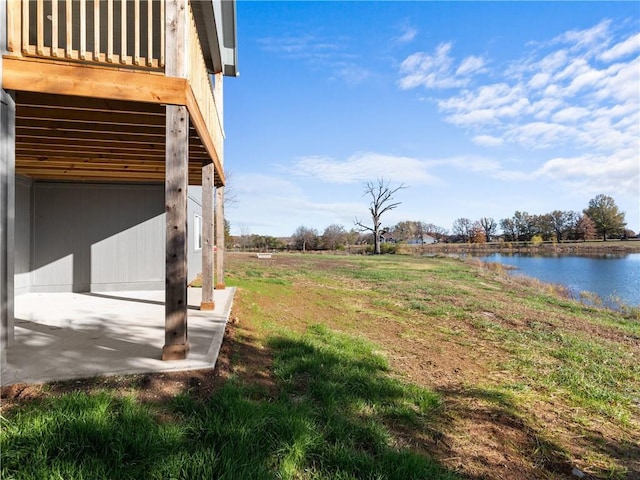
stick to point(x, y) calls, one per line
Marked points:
point(208, 302)
point(220, 238)
point(7, 217)
point(176, 183)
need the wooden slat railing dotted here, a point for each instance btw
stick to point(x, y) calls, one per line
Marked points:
point(200, 81)
point(119, 32)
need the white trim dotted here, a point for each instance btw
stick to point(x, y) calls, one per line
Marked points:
point(197, 228)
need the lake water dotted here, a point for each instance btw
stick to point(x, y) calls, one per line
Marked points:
point(607, 275)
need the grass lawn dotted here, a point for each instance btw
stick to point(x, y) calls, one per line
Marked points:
point(354, 367)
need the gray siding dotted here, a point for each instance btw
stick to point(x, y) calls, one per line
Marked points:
point(93, 237)
point(23, 235)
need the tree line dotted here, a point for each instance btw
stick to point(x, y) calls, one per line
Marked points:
point(600, 219)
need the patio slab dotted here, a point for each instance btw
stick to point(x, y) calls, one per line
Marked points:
point(63, 336)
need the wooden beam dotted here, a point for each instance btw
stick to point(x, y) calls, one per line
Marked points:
point(176, 184)
point(84, 116)
point(51, 101)
point(82, 81)
point(89, 145)
point(220, 285)
point(199, 124)
point(208, 236)
point(132, 141)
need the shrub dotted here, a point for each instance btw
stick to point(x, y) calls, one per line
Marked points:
point(385, 249)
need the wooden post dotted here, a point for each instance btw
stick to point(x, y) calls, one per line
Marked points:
point(208, 302)
point(220, 238)
point(7, 197)
point(7, 217)
point(176, 183)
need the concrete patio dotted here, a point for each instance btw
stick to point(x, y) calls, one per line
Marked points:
point(62, 336)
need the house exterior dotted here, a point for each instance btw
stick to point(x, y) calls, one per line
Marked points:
point(109, 111)
point(425, 240)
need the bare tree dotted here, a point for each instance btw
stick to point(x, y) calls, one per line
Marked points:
point(437, 232)
point(489, 226)
point(462, 228)
point(245, 234)
point(381, 201)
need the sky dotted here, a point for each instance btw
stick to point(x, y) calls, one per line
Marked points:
point(481, 109)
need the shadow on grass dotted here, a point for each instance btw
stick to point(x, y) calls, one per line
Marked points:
point(332, 416)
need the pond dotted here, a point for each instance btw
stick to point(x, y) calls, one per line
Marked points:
point(608, 275)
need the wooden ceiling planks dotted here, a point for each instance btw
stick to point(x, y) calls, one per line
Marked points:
point(91, 139)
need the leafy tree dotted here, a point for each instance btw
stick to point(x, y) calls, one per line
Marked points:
point(333, 237)
point(352, 237)
point(509, 229)
point(524, 226)
point(560, 222)
point(489, 226)
point(404, 231)
point(476, 234)
point(410, 230)
point(607, 218)
point(305, 238)
point(227, 232)
point(542, 226)
point(585, 228)
point(462, 228)
point(381, 195)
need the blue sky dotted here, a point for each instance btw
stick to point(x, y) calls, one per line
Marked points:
point(480, 108)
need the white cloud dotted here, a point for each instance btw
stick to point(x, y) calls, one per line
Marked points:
point(595, 173)
point(594, 36)
point(570, 114)
point(329, 54)
point(562, 98)
point(273, 205)
point(352, 74)
point(576, 93)
point(408, 34)
point(363, 167)
point(627, 47)
point(436, 70)
point(305, 47)
point(487, 141)
point(470, 65)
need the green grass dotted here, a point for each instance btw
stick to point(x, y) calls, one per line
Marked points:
point(333, 416)
point(338, 410)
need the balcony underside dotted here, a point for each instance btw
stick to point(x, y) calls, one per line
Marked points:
point(72, 129)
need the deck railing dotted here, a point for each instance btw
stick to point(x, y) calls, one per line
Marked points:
point(119, 32)
point(200, 82)
point(116, 33)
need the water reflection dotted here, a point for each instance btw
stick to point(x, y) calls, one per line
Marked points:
point(608, 275)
